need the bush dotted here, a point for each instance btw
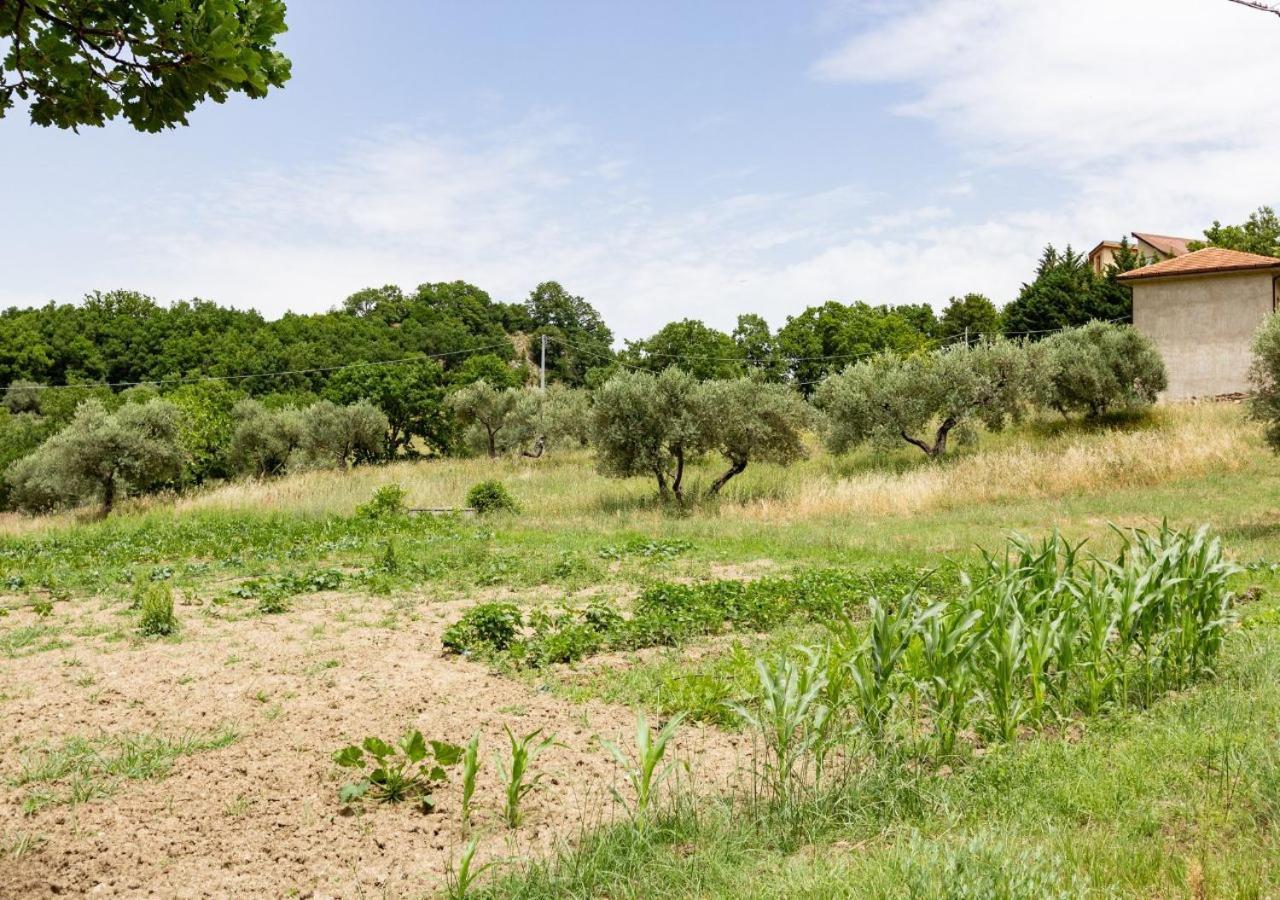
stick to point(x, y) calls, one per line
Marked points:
point(487, 627)
point(1099, 368)
point(154, 601)
point(387, 502)
point(1264, 374)
point(490, 497)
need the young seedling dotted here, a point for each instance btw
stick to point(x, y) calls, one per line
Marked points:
point(517, 775)
point(413, 769)
point(470, 767)
point(460, 881)
point(646, 773)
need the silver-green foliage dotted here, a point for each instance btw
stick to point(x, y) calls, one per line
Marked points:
point(101, 456)
point(1264, 375)
point(925, 397)
point(654, 425)
point(264, 441)
point(487, 413)
point(1099, 368)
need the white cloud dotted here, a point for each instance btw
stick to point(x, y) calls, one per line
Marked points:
point(1147, 114)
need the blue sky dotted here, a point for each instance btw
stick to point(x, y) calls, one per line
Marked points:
point(665, 159)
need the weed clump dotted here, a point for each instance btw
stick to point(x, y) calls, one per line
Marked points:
point(488, 627)
point(491, 497)
point(387, 502)
point(154, 602)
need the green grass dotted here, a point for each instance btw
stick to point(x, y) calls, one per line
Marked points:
point(1179, 799)
point(1155, 803)
point(85, 768)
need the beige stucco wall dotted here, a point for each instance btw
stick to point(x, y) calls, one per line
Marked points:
point(1203, 326)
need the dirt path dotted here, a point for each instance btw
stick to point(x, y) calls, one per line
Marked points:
point(260, 817)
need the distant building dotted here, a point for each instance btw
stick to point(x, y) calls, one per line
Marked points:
point(1201, 309)
point(1150, 246)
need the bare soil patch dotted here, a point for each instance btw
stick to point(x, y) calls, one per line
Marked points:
point(261, 817)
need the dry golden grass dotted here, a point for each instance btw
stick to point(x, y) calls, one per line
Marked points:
point(1187, 441)
point(1031, 462)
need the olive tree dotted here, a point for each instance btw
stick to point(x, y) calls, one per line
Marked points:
point(340, 436)
point(100, 456)
point(925, 397)
point(486, 411)
point(554, 418)
point(743, 420)
point(644, 424)
point(1264, 375)
point(1099, 368)
point(264, 441)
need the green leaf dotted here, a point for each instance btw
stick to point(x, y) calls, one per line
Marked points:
point(378, 748)
point(349, 757)
point(352, 792)
point(446, 754)
point(414, 746)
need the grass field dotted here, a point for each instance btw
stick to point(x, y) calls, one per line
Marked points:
point(165, 764)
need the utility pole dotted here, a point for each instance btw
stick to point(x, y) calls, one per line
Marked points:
point(542, 370)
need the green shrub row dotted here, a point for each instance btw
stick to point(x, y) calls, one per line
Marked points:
point(670, 614)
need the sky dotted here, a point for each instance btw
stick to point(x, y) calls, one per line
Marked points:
point(664, 159)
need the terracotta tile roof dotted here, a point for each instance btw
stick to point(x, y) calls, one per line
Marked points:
point(1199, 262)
point(1166, 244)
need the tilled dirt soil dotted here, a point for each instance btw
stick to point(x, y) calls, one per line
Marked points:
point(261, 817)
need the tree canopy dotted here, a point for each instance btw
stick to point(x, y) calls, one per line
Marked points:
point(1066, 293)
point(153, 62)
point(1260, 234)
point(690, 346)
point(923, 397)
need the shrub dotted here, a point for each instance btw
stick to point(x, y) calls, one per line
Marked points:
point(490, 497)
point(387, 502)
point(154, 601)
point(1099, 368)
point(488, 626)
point(1264, 374)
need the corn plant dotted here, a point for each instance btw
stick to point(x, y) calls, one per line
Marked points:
point(948, 644)
point(646, 773)
point(789, 715)
point(873, 660)
point(1002, 675)
point(470, 768)
point(461, 880)
point(517, 774)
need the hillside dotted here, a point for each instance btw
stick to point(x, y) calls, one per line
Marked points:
point(304, 625)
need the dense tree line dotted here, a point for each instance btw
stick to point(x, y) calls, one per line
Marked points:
point(446, 369)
